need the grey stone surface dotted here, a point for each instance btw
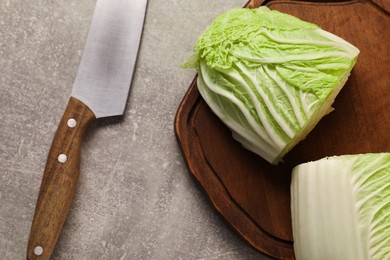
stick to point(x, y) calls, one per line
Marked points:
point(135, 198)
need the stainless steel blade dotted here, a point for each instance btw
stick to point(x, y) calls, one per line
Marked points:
point(107, 64)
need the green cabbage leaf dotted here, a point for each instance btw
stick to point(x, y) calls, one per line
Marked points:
point(270, 77)
point(341, 208)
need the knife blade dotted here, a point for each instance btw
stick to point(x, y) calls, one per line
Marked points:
point(100, 89)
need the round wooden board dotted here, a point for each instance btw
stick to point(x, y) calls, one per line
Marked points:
point(254, 196)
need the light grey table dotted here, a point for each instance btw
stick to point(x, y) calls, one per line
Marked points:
point(135, 198)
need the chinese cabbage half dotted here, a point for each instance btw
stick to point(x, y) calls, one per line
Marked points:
point(270, 77)
point(341, 208)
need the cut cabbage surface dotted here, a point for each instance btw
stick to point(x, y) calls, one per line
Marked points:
point(270, 77)
point(341, 208)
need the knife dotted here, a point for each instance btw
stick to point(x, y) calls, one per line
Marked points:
point(100, 89)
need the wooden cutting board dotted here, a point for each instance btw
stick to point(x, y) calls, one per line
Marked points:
point(254, 196)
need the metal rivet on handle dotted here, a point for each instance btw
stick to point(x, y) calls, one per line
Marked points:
point(72, 122)
point(38, 250)
point(62, 158)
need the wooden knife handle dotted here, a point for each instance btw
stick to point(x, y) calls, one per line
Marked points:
point(59, 180)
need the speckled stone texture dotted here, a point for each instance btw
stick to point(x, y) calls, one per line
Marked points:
point(135, 198)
